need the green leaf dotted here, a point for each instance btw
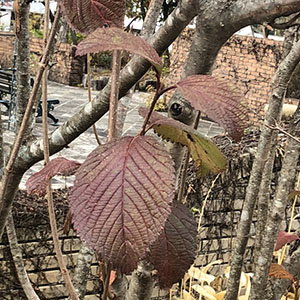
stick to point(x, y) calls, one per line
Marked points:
point(204, 152)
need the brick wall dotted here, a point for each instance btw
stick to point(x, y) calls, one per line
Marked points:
point(248, 63)
point(67, 68)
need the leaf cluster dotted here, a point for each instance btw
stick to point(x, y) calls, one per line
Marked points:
point(122, 201)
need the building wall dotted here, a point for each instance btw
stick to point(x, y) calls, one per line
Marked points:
point(248, 63)
point(66, 69)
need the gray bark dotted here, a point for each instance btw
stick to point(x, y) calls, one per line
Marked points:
point(141, 283)
point(18, 260)
point(82, 270)
point(23, 68)
point(277, 211)
point(279, 85)
point(216, 21)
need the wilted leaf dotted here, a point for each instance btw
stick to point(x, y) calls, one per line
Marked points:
point(187, 296)
point(114, 38)
point(292, 194)
point(217, 100)
point(204, 152)
point(220, 295)
point(122, 197)
point(196, 273)
point(175, 249)
point(278, 271)
point(85, 16)
point(284, 238)
point(205, 290)
point(37, 183)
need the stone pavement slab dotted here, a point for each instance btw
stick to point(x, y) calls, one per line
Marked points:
point(72, 99)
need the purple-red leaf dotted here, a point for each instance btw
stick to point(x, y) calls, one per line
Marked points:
point(175, 249)
point(122, 197)
point(114, 38)
point(37, 183)
point(217, 100)
point(85, 16)
point(284, 238)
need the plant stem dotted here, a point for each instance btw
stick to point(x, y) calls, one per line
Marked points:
point(8, 171)
point(51, 209)
point(185, 165)
point(90, 94)
point(114, 95)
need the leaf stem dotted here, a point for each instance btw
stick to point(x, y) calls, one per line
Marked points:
point(90, 94)
point(158, 93)
point(185, 164)
point(51, 210)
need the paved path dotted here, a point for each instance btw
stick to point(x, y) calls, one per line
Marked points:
point(71, 100)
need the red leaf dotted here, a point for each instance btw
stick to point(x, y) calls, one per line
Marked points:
point(114, 38)
point(121, 198)
point(174, 251)
point(85, 16)
point(284, 238)
point(214, 97)
point(278, 271)
point(37, 183)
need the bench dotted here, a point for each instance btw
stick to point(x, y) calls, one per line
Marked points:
point(8, 98)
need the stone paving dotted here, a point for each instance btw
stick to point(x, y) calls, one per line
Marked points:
point(71, 100)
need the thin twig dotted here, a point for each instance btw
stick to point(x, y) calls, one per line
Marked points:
point(185, 164)
point(276, 127)
point(205, 200)
point(90, 94)
point(106, 282)
point(51, 210)
point(27, 115)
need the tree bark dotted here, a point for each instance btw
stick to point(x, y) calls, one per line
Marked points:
point(141, 283)
point(279, 85)
point(277, 211)
point(23, 68)
point(82, 270)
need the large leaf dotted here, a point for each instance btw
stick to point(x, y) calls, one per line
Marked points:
point(85, 16)
point(217, 100)
point(174, 251)
point(37, 183)
point(284, 238)
point(104, 39)
point(122, 197)
point(204, 152)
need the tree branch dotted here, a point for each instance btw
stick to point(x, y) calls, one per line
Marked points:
point(94, 110)
point(279, 85)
